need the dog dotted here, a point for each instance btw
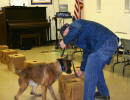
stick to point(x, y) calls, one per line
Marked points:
point(44, 74)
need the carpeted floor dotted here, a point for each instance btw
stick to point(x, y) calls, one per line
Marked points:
point(118, 85)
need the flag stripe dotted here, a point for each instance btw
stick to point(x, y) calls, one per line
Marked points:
point(76, 16)
point(78, 8)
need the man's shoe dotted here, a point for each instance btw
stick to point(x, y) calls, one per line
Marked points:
point(99, 96)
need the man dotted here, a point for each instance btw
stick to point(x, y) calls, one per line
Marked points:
point(98, 44)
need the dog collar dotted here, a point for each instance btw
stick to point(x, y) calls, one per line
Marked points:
point(62, 64)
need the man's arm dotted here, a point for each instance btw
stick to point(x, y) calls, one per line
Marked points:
point(84, 60)
point(83, 64)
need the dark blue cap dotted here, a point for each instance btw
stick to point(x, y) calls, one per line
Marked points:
point(63, 28)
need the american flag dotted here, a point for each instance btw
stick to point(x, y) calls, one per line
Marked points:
point(78, 8)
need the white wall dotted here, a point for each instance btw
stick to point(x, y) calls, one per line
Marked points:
point(4, 3)
point(112, 14)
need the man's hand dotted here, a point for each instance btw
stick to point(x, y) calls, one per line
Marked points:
point(79, 73)
point(62, 44)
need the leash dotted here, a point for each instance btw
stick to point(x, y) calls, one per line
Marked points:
point(74, 70)
point(49, 51)
point(62, 53)
point(76, 73)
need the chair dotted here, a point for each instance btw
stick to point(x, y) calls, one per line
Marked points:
point(118, 52)
point(125, 58)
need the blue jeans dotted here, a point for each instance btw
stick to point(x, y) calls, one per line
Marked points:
point(94, 69)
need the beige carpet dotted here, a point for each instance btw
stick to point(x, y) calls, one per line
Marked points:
point(118, 85)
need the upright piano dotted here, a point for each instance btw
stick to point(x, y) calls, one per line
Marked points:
point(25, 20)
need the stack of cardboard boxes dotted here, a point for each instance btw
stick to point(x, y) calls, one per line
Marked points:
point(13, 59)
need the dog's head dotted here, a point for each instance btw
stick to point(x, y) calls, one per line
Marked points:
point(65, 65)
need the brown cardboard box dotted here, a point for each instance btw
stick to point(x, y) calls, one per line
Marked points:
point(2, 47)
point(70, 85)
point(32, 62)
point(16, 60)
point(72, 89)
point(61, 79)
point(1, 56)
point(5, 54)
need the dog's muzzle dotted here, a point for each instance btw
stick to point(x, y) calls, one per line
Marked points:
point(63, 66)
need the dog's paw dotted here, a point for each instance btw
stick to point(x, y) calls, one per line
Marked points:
point(32, 93)
point(38, 95)
point(15, 98)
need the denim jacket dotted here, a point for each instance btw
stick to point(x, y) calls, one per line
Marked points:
point(87, 35)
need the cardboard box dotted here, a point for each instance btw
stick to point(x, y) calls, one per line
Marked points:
point(16, 60)
point(5, 54)
point(72, 89)
point(1, 56)
point(32, 62)
point(61, 79)
point(2, 47)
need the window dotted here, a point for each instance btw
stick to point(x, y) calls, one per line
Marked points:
point(98, 6)
point(127, 6)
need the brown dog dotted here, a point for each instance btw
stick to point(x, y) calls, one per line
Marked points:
point(44, 74)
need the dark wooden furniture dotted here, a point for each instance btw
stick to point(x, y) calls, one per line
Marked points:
point(25, 20)
point(25, 36)
point(3, 39)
